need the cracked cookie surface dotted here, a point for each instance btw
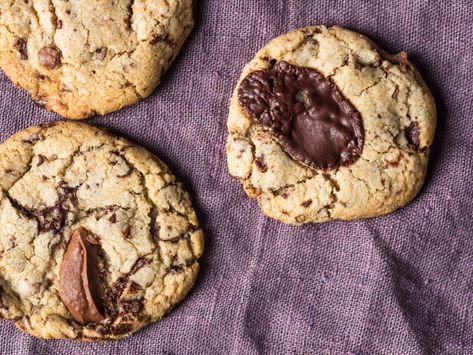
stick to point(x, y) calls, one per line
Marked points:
point(80, 58)
point(68, 188)
point(264, 150)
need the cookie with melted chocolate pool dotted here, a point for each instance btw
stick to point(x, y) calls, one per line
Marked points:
point(97, 238)
point(324, 125)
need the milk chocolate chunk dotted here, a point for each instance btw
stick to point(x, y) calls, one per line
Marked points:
point(49, 57)
point(312, 120)
point(79, 282)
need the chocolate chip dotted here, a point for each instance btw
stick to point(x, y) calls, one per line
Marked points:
point(158, 38)
point(139, 264)
point(21, 46)
point(131, 307)
point(313, 121)
point(101, 53)
point(395, 94)
point(113, 218)
point(260, 164)
point(33, 139)
point(134, 287)
point(2, 305)
point(403, 62)
point(127, 232)
point(306, 204)
point(53, 218)
point(49, 125)
point(116, 290)
point(50, 57)
point(59, 24)
point(175, 268)
point(413, 135)
point(41, 159)
point(39, 76)
point(111, 329)
point(80, 287)
point(121, 329)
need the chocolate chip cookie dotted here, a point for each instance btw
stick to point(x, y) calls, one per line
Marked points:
point(97, 238)
point(325, 125)
point(81, 58)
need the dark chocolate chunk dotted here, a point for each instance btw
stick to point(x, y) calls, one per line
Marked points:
point(50, 57)
point(21, 45)
point(54, 218)
point(134, 287)
point(260, 164)
point(111, 329)
point(413, 135)
point(121, 283)
point(141, 262)
point(314, 123)
point(33, 139)
point(395, 94)
point(133, 307)
point(127, 232)
point(80, 287)
point(158, 38)
point(113, 218)
point(41, 159)
point(121, 329)
point(306, 204)
point(2, 306)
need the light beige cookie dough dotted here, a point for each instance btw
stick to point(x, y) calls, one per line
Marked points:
point(81, 58)
point(397, 112)
point(97, 238)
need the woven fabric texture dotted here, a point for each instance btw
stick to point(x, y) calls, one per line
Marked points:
point(398, 284)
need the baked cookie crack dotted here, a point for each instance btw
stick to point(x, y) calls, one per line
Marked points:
point(54, 17)
point(21, 209)
point(154, 209)
point(370, 87)
point(34, 13)
point(182, 236)
point(130, 15)
point(175, 269)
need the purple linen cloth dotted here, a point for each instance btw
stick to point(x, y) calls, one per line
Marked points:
point(398, 284)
